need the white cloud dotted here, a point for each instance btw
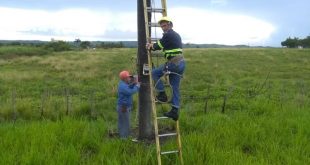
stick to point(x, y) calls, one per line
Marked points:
point(194, 25)
point(201, 26)
point(64, 24)
point(219, 2)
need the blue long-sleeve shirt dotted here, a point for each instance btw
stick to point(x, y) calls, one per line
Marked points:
point(125, 92)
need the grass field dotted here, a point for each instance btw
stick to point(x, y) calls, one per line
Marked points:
point(58, 108)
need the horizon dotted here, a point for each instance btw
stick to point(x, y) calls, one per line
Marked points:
point(222, 22)
point(12, 40)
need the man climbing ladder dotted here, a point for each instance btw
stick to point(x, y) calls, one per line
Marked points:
point(171, 44)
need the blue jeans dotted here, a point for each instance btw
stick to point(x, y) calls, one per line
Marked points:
point(123, 122)
point(173, 78)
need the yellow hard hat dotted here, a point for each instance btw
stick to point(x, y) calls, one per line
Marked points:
point(166, 19)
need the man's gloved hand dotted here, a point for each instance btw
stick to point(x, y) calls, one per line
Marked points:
point(149, 46)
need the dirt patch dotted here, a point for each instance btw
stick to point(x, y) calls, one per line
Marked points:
point(247, 149)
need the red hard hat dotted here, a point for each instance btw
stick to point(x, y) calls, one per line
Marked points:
point(124, 74)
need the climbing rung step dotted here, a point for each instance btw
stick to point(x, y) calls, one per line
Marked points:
point(155, 39)
point(163, 117)
point(169, 152)
point(154, 24)
point(156, 10)
point(159, 102)
point(168, 134)
point(157, 54)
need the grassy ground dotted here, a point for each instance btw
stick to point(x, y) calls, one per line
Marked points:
point(57, 108)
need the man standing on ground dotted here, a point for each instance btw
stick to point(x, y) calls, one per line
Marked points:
point(127, 86)
point(171, 44)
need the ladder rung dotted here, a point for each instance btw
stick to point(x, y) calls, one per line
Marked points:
point(162, 117)
point(155, 39)
point(159, 102)
point(156, 10)
point(159, 55)
point(154, 24)
point(169, 152)
point(167, 134)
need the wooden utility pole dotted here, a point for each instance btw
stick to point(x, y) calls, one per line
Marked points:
point(145, 102)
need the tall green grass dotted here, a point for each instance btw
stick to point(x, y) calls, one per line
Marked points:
point(9, 52)
point(59, 108)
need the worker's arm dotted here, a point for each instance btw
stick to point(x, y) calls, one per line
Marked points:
point(129, 91)
point(162, 43)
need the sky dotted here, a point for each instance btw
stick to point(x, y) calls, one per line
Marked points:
point(230, 22)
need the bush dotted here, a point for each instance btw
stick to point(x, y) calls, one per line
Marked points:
point(295, 42)
point(58, 46)
point(85, 44)
point(110, 45)
point(15, 51)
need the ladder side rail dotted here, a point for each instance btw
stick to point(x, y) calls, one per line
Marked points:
point(179, 142)
point(148, 25)
point(146, 19)
point(164, 6)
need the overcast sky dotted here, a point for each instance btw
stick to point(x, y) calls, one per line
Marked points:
point(254, 22)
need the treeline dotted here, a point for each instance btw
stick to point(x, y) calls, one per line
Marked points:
point(55, 45)
point(97, 44)
point(12, 49)
point(296, 42)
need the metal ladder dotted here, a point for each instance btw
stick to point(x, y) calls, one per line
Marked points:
point(147, 70)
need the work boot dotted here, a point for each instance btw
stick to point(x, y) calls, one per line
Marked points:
point(173, 114)
point(162, 97)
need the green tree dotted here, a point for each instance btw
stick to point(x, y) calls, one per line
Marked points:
point(305, 42)
point(15, 43)
point(58, 46)
point(291, 43)
point(111, 45)
point(85, 44)
point(77, 42)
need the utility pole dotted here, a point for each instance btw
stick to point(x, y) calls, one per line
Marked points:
point(145, 102)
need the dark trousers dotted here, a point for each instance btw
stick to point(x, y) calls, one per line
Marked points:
point(173, 78)
point(123, 121)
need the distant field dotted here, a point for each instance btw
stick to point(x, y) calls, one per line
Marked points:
point(57, 108)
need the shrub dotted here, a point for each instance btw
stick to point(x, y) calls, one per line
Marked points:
point(13, 51)
point(58, 46)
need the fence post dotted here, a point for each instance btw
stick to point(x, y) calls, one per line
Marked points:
point(14, 115)
point(206, 105)
point(207, 99)
point(92, 105)
point(67, 101)
point(43, 98)
point(226, 97)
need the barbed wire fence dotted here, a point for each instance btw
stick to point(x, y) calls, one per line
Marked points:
point(94, 103)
